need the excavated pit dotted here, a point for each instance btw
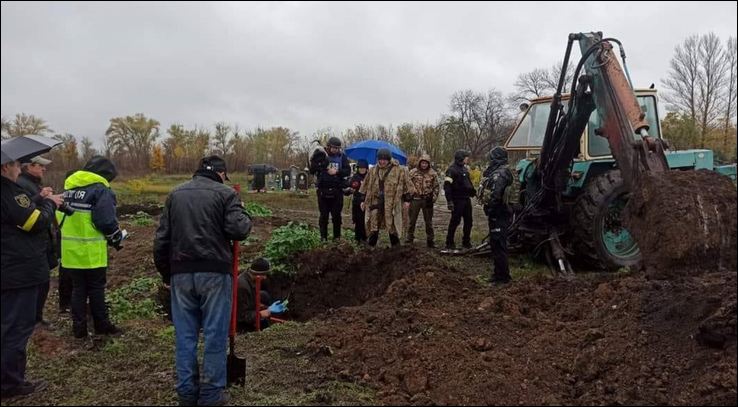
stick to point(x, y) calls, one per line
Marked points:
point(341, 276)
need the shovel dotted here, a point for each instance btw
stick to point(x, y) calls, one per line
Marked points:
point(236, 367)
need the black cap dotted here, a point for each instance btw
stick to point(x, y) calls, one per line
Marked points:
point(334, 142)
point(260, 266)
point(101, 166)
point(460, 155)
point(384, 154)
point(215, 164)
point(362, 163)
point(498, 153)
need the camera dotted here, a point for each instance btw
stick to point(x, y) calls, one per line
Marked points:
point(66, 209)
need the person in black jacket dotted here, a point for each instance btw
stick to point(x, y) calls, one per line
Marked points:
point(498, 178)
point(358, 216)
point(459, 191)
point(331, 169)
point(193, 254)
point(25, 224)
point(30, 179)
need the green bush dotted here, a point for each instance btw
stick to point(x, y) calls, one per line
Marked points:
point(257, 210)
point(135, 300)
point(286, 242)
point(142, 218)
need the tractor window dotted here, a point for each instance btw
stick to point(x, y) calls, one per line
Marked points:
point(532, 127)
point(598, 145)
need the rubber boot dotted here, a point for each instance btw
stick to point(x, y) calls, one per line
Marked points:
point(373, 239)
point(394, 240)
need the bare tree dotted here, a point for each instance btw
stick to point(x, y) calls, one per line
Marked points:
point(553, 75)
point(711, 83)
point(683, 77)
point(530, 85)
point(731, 89)
point(477, 121)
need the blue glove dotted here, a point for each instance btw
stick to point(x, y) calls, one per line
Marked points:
point(277, 307)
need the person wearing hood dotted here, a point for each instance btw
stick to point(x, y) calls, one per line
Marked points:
point(85, 235)
point(358, 215)
point(386, 189)
point(459, 190)
point(496, 181)
point(193, 253)
point(425, 181)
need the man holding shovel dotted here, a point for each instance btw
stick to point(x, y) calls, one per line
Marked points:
point(192, 252)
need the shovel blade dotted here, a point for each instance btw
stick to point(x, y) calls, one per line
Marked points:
point(236, 370)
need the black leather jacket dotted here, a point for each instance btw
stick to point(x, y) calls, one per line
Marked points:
point(199, 220)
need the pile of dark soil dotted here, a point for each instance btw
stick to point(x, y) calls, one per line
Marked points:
point(424, 333)
point(684, 221)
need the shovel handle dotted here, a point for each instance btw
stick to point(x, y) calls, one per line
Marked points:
point(234, 281)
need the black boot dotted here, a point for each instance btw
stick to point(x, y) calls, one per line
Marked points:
point(373, 239)
point(394, 240)
point(107, 328)
point(79, 331)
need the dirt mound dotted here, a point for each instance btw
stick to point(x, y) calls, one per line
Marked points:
point(427, 334)
point(339, 276)
point(684, 220)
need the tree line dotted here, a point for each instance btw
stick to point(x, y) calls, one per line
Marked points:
point(699, 91)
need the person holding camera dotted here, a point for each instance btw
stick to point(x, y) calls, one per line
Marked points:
point(386, 189)
point(25, 225)
point(331, 168)
point(425, 181)
point(30, 179)
point(87, 227)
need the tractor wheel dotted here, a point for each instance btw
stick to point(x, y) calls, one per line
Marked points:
point(599, 236)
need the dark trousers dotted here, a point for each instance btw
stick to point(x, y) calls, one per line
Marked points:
point(43, 294)
point(18, 320)
point(499, 221)
point(416, 206)
point(462, 210)
point(330, 202)
point(358, 217)
point(89, 283)
point(65, 288)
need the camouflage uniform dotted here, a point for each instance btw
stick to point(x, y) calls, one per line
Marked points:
point(397, 187)
point(426, 193)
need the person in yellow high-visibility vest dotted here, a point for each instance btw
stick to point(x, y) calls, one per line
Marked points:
point(85, 236)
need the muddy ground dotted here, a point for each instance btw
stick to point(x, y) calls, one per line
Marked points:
point(406, 326)
point(436, 336)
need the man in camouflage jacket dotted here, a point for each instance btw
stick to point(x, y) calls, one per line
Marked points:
point(386, 189)
point(427, 188)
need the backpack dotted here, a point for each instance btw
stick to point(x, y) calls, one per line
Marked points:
point(509, 197)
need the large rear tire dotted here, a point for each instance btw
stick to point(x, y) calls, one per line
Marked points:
point(599, 236)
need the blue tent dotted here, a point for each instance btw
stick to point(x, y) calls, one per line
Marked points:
point(367, 150)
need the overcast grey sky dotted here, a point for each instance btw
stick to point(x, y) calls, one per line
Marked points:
point(306, 66)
